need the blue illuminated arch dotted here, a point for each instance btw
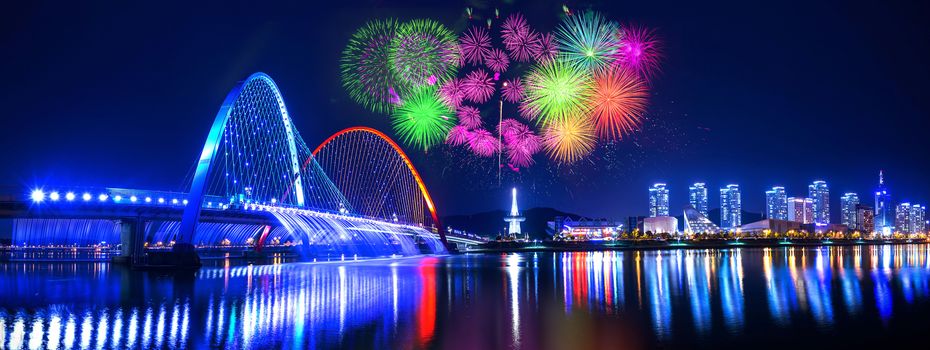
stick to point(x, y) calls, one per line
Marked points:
point(204, 164)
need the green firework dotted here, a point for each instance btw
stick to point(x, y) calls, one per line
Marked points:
point(587, 41)
point(557, 90)
point(424, 52)
point(422, 119)
point(365, 64)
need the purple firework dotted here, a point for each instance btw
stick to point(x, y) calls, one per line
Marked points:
point(547, 49)
point(639, 50)
point(469, 117)
point(512, 90)
point(528, 112)
point(475, 45)
point(521, 42)
point(483, 143)
point(452, 92)
point(497, 61)
point(458, 135)
point(478, 86)
point(514, 26)
point(520, 150)
point(511, 128)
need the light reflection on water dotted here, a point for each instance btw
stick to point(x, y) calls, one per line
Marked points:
point(630, 299)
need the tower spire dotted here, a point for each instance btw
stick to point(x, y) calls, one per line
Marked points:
point(881, 177)
point(514, 219)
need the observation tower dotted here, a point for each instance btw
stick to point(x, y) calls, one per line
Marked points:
point(514, 219)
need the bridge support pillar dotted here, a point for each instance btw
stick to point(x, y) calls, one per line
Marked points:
point(131, 241)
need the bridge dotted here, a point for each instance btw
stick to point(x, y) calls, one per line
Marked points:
point(256, 183)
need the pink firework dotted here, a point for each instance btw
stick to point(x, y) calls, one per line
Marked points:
point(483, 143)
point(497, 61)
point(452, 93)
point(515, 25)
point(639, 50)
point(512, 90)
point(458, 135)
point(520, 149)
point(469, 117)
point(547, 49)
point(478, 86)
point(528, 112)
point(475, 45)
point(521, 42)
point(511, 129)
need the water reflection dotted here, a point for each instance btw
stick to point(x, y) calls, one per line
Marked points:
point(630, 299)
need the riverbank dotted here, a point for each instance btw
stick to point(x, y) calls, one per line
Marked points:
point(575, 246)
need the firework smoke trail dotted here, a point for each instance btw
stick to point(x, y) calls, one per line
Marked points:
point(475, 45)
point(452, 92)
point(365, 66)
point(478, 86)
point(512, 90)
point(421, 51)
point(618, 102)
point(483, 143)
point(423, 120)
point(587, 41)
point(469, 117)
point(458, 135)
point(497, 61)
point(569, 139)
point(639, 50)
point(556, 90)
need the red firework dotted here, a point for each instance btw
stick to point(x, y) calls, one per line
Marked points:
point(475, 45)
point(469, 117)
point(478, 86)
point(512, 90)
point(618, 102)
point(483, 143)
point(497, 60)
point(639, 50)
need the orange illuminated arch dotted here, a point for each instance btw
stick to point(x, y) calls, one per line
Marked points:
point(400, 152)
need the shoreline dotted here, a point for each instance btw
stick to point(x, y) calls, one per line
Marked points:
point(568, 246)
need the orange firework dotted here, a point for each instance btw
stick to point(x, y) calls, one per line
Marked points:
point(618, 102)
point(569, 139)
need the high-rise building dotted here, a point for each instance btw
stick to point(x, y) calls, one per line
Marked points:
point(776, 204)
point(730, 207)
point(902, 218)
point(658, 200)
point(884, 218)
point(918, 219)
point(865, 219)
point(819, 193)
point(697, 196)
point(801, 210)
point(848, 204)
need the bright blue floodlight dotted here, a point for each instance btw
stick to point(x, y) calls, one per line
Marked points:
point(37, 196)
point(69, 196)
point(86, 196)
point(54, 196)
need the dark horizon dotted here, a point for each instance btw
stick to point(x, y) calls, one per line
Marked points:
point(762, 95)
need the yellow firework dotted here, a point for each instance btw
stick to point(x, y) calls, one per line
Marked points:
point(569, 139)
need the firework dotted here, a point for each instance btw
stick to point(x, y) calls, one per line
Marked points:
point(515, 25)
point(587, 41)
point(639, 50)
point(527, 111)
point(458, 135)
point(547, 49)
point(618, 102)
point(478, 86)
point(512, 90)
point(520, 150)
point(483, 143)
point(452, 93)
point(423, 120)
point(365, 65)
point(497, 61)
point(469, 117)
point(569, 139)
point(423, 49)
point(475, 45)
point(556, 90)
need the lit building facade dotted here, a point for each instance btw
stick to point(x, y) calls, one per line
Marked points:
point(730, 207)
point(819, 194)
point(884, 218)
point(902, 218)
point(848, 204)
point(658, 200)
point(695, 222)
point(661, 224)
point(776, 204)
point(801, 210)
point(918, 217)
point(697, 196)
point(865, 219)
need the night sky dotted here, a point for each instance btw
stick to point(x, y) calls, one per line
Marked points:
point(122, 94)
